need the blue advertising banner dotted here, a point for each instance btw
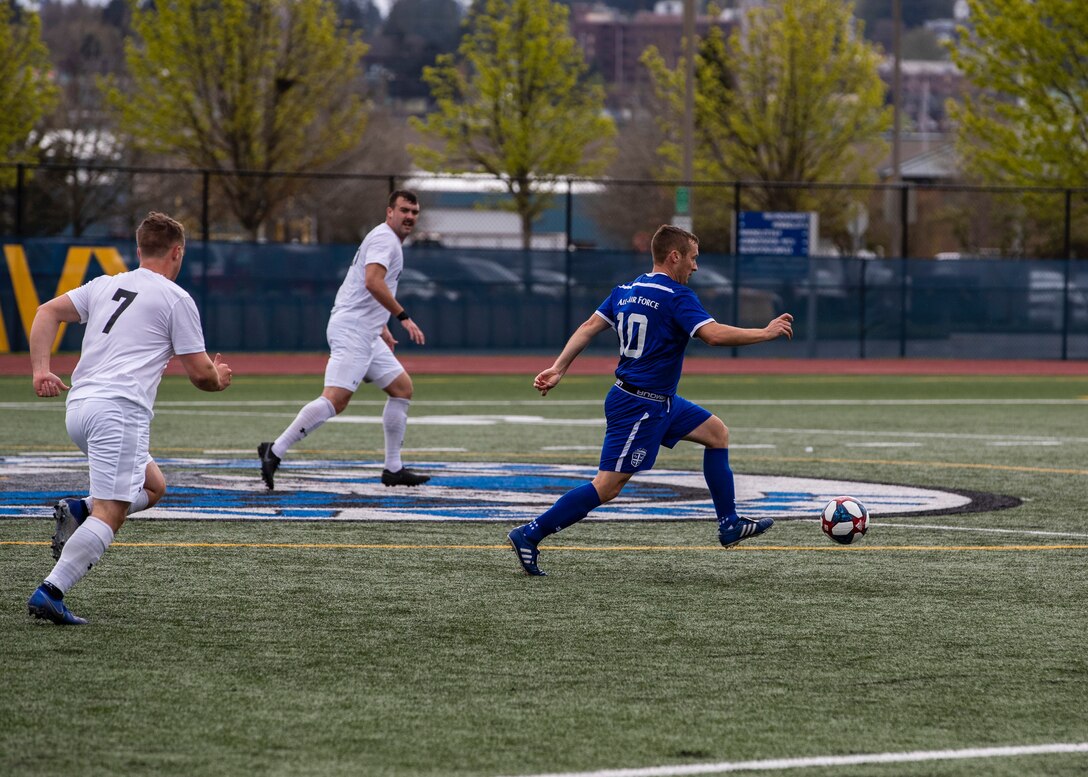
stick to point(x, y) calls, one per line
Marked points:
point(776, 234)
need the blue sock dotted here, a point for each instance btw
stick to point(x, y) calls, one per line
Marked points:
point(570, 508)
point(719, 479)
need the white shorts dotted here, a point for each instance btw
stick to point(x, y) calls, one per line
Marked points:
point(356, 360)
point(116, 436)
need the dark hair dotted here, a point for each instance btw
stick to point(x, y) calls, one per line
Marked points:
point(157, 234)
point(669, 238)
point(406, 194)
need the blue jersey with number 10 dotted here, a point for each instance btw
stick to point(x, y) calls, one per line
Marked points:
point(654, 317)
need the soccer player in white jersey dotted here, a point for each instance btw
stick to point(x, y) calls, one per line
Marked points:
point(654, 316)
point(361, 346)
point(136, 321)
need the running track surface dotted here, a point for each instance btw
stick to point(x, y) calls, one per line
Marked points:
point(497, 364)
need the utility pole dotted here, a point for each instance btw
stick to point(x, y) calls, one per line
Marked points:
point(682, 212)
point(897, 87)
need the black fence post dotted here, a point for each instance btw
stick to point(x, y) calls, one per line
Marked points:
point(904, 218)
point(569, 224)
point(1068, 250)
point(20, 198)
point(861, 308)
point(904, 247)
point(736, 259)
point(205, 206)
point(206, 235)
point(568, 269)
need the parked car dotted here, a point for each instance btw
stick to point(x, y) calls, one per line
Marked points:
point(1046, 304)
point(418, 285)
point(474, 273)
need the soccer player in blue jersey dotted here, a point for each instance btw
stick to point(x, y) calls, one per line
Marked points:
point(654, 316)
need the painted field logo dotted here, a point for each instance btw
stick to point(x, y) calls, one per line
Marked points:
point(333, 490)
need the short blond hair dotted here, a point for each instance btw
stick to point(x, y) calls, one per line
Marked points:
point(158, 234)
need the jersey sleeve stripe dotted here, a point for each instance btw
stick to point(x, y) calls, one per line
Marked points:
point(701, 324)
point(653, 286)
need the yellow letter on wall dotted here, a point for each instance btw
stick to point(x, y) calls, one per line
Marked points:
point(75, 270)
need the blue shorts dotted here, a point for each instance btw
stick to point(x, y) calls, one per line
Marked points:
point(637, 428)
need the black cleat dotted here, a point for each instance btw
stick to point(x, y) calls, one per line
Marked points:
point(403, 477)
point(526, 551)
point(733, 531)
point(270, 462)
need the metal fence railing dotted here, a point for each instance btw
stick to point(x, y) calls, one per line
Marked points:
point(277, 296)
point(916, 220)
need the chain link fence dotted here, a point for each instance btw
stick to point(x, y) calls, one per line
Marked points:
point(277, 297)
point(916, 220)
point(892, 270)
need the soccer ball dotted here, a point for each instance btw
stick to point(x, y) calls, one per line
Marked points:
point(844, 519)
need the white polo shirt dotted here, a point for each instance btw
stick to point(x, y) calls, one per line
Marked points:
point(136, 321)
point(356, 311)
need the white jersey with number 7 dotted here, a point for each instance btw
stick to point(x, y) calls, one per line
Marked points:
point(136, 321)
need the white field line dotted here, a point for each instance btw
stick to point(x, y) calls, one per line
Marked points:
point(203, 408)
point(878, 524)
point(930, 527)
point(538, 401)
point(238, 409)
point(597, 402)
point(916, 756)
point(903, 433)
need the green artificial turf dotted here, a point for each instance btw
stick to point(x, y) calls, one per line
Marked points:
point(226, 648)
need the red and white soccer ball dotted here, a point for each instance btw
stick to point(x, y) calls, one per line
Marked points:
point(844, 519)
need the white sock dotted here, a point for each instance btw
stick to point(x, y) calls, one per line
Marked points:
point(81, 552)
point(394, 422)
point(139, 503)
point(309, 420)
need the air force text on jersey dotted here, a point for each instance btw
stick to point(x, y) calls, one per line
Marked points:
point(637, 299)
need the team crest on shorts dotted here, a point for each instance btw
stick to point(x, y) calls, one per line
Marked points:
point(638, 457)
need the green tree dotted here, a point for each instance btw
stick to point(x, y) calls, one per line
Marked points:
point(26, 92)
point(514, 102)
point(793, 96)
point(233, 86)
point(1026, 121)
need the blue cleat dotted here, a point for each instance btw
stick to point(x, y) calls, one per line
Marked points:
point(525, 550)
point(736, 529)
point(70, 515)
point(44, 605)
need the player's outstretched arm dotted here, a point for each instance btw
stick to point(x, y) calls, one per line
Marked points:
point(549, 378)
point(205, 373)
point(43, 333)
point(723, 334)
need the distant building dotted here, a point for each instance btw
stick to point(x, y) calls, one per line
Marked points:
point(613, 43)
point(926, 158)
point(927, 85)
